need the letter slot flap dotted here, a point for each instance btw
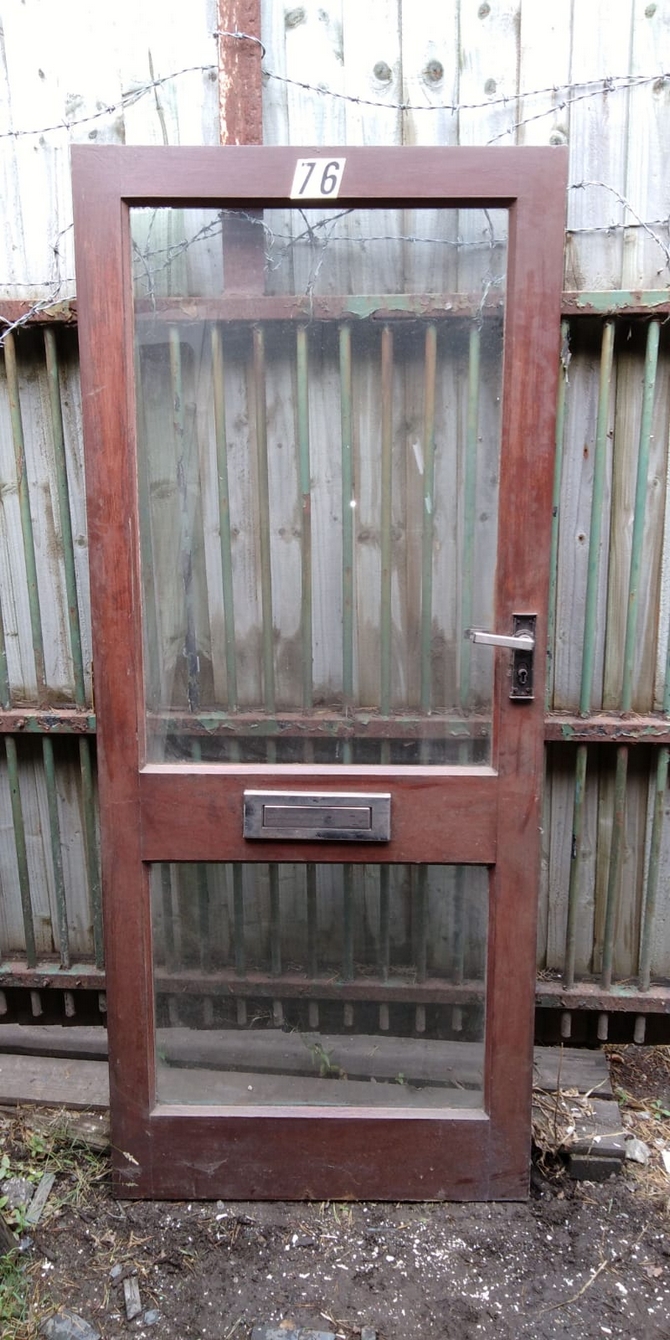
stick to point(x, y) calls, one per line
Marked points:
point(309, 816)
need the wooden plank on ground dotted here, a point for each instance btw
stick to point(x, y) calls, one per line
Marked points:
point(82, 1043)
point(572, 1068)
point(39, 1200)
point(245, 1089)
point(587, 1071)
point(319, 1055)
point(53, 1082)
point(600, 1131)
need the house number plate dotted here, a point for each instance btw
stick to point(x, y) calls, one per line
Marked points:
point(317, 178)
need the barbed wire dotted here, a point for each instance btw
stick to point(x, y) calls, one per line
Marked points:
point(566, 94)
point(593, 88)
point(171, 253)
point(563, 95)
point(126, 100)
point(582, 185)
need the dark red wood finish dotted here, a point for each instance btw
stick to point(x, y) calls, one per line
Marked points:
point(300, 1152)
point(430, 809)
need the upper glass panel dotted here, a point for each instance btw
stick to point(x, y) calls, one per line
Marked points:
point(318, 420)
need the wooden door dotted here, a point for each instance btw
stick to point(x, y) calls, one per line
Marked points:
point(318, 393)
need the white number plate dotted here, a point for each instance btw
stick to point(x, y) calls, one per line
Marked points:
point(317, 178)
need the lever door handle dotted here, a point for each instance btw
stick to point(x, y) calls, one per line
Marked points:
point(514, 641)
point(522, 644)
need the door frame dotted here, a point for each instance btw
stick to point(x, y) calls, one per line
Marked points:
point(448, 814)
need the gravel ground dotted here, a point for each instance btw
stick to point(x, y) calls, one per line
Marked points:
point(578, 1259)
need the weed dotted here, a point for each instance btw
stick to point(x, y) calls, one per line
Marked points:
point(327, 1068)
point(13, 1297)
point(17, 1217)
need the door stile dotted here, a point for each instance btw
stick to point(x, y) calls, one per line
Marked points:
point(106, 341)
point(531, 365)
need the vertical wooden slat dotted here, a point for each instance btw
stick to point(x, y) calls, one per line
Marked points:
point(91, 848)
point(386, 519)
point(26, 518)
point(264, 520)
point(202, 886)
point(56, 852)
point(275, 921)
point(185, 539)
point(5, 693)
point(154, 669)
point(167, 915)
point(275, 938)
point(641, 486)
point(312, 937)
point(17, 812)
point(20, 849)
point(589, 641)
point(58, 438)
point(555, 510)
point(305, 513)
point(238, 919)
point(595, 529)
point(430, 361)
point(384, 921)
point(654, 866)
point(469, 507)
point(347, 922)
point(85, 761)
point(347, 527)
point(421, 922)
point(218, 380)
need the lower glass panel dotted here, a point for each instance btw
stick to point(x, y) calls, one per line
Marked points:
point(326, 985)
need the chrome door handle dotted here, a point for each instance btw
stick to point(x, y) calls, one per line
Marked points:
point(522, 643)
point(514, 641)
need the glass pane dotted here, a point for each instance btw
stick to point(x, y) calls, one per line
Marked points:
point(319, 434)
point(320, 984)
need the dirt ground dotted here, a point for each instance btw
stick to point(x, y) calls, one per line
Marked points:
point(579, 1259)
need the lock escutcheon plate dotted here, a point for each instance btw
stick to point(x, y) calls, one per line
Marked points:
point(521, 688)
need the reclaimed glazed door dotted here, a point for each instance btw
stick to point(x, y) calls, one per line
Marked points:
point(318, 391)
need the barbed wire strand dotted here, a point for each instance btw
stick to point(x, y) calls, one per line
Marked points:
point(564, 92)
point(212, 229)
point(563, 95)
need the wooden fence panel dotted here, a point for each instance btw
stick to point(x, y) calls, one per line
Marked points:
point(591, 75)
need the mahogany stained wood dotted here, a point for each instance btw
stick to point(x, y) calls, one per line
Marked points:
point(430, 810)
point(297, 1153)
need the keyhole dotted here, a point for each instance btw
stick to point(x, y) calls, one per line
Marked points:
point(522, 676)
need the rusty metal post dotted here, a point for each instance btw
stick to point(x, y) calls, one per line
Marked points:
point(240, 82)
